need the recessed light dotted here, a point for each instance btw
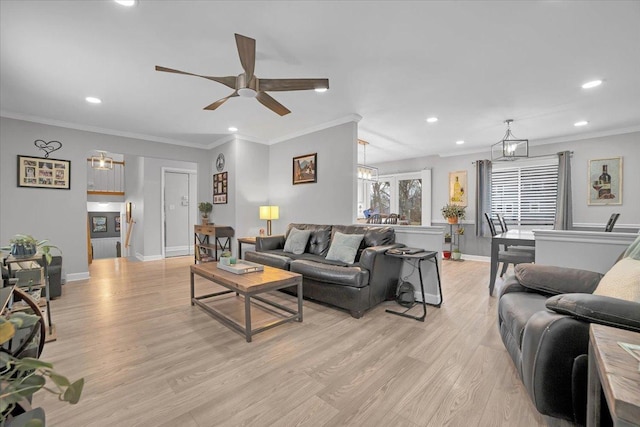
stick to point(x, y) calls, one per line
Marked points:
point(233, 129)
point(432, 119)
point(593, 83)
point(581, 123)
point(127, 3)
point(320, 89)
point(460, 142)
point(93, 100)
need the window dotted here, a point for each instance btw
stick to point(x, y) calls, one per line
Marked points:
point(525, 194)
point(400, 194)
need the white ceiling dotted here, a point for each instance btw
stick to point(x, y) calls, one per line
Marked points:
point(472, 64)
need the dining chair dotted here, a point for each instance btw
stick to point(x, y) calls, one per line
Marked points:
point(611, 222)
point(510, 255)
point(374, 219)
point(502, 222)
point(505, 228)
point(392, 219)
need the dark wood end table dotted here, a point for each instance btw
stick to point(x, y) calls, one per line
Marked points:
point(615, 373)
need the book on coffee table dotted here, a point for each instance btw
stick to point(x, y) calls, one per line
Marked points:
point(241, 267)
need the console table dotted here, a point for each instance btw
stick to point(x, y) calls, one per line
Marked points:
point(206, 249)
point(614, 373)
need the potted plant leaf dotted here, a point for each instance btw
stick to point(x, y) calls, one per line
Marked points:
point(20, 378)
point(453, 213)
point(205, 209)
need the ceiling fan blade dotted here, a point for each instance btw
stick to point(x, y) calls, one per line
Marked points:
point(292, 84)
point(272, 104)
point(229, 81)
point(219, 102)
point(247, 53)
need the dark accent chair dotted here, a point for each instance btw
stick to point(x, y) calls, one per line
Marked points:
point(391, 219)
point(55, 275)
point(544, 315)
point(611, 223)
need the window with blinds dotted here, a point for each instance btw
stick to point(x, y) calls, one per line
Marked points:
point(526, 194)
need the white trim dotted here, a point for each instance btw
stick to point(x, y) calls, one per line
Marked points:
point(143, 258)
point(74, 277)
point(416, 229)
point(601, 226)
point(476, 258)
point(347, 119)
point(180, 249)
point(96, 129)
point(594, 237)
point(431, 298)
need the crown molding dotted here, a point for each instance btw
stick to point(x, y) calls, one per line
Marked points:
point(588, 135)
point(95, 129)
point(346, 119)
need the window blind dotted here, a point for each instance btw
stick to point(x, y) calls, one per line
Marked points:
point(525, 195)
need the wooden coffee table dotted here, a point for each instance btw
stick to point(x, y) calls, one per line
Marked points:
point(249, 285)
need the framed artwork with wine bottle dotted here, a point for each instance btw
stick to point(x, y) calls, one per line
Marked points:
point(605, 181)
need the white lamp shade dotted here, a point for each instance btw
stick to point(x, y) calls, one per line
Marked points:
point(269, 212)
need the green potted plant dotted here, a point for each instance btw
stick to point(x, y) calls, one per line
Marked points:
point(453, 213)
point(447, 238)
point(20, 378)
point(205, 209)
point(26, 246)
point(456, 254)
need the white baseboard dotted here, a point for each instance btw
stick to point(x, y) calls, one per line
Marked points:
point(143, 258)
point(74, 277)
point(431, 298)
point(177, 251)
point(476, 258)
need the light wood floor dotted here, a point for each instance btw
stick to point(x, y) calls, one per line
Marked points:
point(151, 359)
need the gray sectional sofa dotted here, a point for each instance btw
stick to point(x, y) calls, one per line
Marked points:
point(357, 286)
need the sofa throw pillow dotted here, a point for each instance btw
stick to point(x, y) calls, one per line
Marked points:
point(344, 247)
point(296, 241)
point(622, 281)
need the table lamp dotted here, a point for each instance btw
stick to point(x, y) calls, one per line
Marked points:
point(269, 213)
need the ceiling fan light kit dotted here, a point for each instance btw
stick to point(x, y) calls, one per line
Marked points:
point(247, 85)
point(510, 148)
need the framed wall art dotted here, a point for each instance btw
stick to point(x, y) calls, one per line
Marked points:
point(605, 181)
point(42, 172)
point(220, 188)
point(458, 188)
point(305, 169)
point(99, 224)
point(116, 220)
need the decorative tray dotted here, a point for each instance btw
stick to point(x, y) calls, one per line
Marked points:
point(241, 267)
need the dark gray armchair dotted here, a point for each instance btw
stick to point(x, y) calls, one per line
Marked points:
point(55, 276)
point(544, 315)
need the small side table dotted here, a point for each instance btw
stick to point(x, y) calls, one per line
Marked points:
point(247, 241)
point(419, 257)
point(615, 373)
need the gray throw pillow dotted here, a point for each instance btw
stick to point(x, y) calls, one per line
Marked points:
point(296, 241)
point(344, 247)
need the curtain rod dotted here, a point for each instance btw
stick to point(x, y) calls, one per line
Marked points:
point(536, 157)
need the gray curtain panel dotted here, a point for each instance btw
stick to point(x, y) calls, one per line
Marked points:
point(564, 210)
point(483, 196)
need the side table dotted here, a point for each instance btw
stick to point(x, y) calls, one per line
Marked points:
point(247, 241)
point(615, 373)
point(419, 257)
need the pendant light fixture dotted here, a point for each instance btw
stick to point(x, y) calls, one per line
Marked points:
point(101, 162)
point(510, 148)
point(365, 172)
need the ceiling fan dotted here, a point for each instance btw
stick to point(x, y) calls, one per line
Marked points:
point(249, 85)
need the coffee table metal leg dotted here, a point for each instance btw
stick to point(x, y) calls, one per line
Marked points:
point(192, 294)
point(300, 302)
point(247, 317)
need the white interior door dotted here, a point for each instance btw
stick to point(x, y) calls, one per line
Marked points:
point(177, 230)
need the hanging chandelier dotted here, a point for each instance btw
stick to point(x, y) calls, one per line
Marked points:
point(101, 162)
point(510, 148)
point(365, 172)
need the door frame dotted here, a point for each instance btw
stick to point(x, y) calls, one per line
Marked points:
point(164, 170)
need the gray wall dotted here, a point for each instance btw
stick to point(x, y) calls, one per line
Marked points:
point(329, 201)
point(60, 215)
point(584, 216)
